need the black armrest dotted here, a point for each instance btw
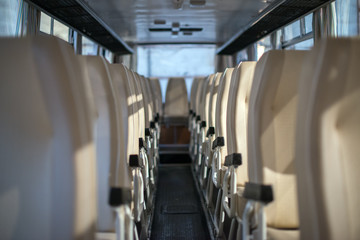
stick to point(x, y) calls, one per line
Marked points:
point(210, 131)
point(218, 142)
point(234, 159)
point(198, 118)
point(190, 112)
point(258, 192)
point(134, 160)
point(147, 132)
point(202, 124)
point(152, 125)
point(142, 144)
point(119, 196)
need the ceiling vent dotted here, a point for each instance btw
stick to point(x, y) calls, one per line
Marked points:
point(159, 22)
point(197, 3)
point(178, 4)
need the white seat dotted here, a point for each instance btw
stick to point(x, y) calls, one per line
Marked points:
point(220, 127)
point(205, 116)
point(48, 166)
point(271, 139)
point(210, 133)
point(327, 141)
point(201, 120)
point(236, 142)
point(151, 132)
point(197, 120)
point(176, 100)
point(156, 92)
point(219, 151)
point(194, 87)
point(139, 165)
point(155, 84)
point(127, 149)
point(107, 135)
point(192, 114)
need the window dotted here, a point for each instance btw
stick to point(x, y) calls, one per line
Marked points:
point(304, 45)
point(89, 47)
point(263, 46)
point(168, 61)
point(108, 56)
point(299, 34)
point(11, 12)
point(292, 31)
point(346, 17)
point(45, 23)
point(308, 23)
point(61, 31)
point(176, 60)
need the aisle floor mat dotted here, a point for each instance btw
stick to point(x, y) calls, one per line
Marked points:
point(178, 212)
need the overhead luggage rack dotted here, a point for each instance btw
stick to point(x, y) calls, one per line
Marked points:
point(80, 17)
point(273, 17)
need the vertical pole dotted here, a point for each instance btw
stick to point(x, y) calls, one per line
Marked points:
point(324, 22)
point(77, 43)
point(358, 16)
point(52, 26)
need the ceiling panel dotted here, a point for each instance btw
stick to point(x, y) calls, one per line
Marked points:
point(219, 19)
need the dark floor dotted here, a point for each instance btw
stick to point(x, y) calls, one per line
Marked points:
point(178, 212)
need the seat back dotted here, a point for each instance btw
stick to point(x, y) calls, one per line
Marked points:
point(221, 108)
point(140, 104)
point(213, 97)
point(149, 97)
point(271, 132)
point(134, 108)
point(199, 92)
point(125, 118)
point(176, 100)
point(204, 90)
point(155, 84)
point(107, 134)
point(145, 99)
point(194, 87)
point(207, 99)
point(328, 136)
point(48, 166)
point(237, 116)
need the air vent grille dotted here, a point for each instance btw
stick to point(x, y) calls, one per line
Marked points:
point(270, 20)
point(77, 17)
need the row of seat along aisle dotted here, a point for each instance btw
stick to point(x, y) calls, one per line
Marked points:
point(275, 144)
point(79, 144)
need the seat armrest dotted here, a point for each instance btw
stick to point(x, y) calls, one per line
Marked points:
point(210, 131)
point(218, 142)
point(258, 192)
point(234, 159)
point(134, 161)
point(202, 124)
point(119, 196)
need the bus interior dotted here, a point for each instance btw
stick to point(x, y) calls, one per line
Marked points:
point(179, 119)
